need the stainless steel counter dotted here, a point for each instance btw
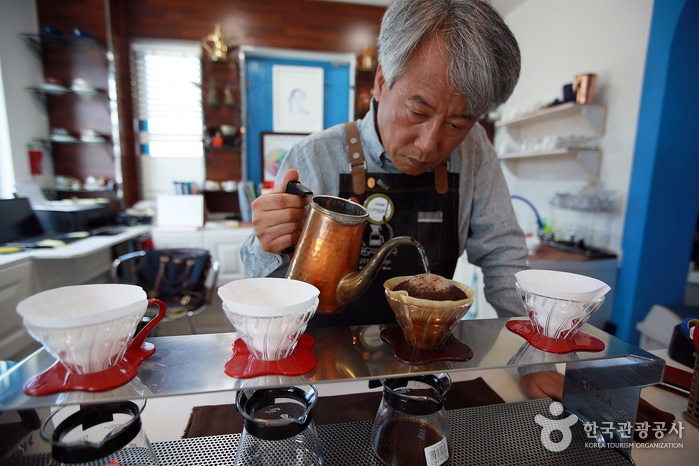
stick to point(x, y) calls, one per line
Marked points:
point(195, 364)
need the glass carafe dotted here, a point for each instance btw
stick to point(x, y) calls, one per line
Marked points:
point(278, 427)
point(108, 433)
point(411, 425)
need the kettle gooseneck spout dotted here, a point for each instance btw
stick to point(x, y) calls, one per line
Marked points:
point(354, 284)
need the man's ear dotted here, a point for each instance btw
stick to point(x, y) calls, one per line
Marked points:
point(379, 82)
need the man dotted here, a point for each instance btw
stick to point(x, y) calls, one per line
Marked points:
point(420, 155)
point(428, 164)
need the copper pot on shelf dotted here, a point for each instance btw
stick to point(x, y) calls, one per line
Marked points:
point(584, 88)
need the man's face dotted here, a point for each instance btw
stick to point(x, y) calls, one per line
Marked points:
point(420, 120)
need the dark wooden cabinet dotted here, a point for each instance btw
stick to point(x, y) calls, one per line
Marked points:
point(223, 128)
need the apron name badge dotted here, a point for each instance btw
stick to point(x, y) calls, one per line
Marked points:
point(380, 208)
point(430, 217)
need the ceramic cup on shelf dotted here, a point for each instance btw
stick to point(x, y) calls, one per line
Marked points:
point(228, 130)
point(81, 84)
point(89, 133)
point(81, 33)
point(49, 31)
point(229, 186)
point(211, 185)
point(568, 95)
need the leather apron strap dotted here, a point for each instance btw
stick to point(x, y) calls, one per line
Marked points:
point(441, 180)
point(357, 163)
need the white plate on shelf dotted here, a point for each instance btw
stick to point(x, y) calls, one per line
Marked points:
point(97, 139)
point(53, 88)
point(62, 138)
point(84, 90)
point(92, 201)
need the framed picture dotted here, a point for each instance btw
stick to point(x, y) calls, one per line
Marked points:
point(274, 148)
point(297, 97)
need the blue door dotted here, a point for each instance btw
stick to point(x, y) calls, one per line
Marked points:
point(258, 71)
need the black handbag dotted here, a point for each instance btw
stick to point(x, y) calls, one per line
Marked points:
point(175, 276)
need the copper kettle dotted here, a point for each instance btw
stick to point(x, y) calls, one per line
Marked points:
point(327, 254)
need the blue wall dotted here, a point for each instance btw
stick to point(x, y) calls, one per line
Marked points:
point(260, 102)
point(664, 191)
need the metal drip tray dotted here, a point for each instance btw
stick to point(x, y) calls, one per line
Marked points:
point(502, 434)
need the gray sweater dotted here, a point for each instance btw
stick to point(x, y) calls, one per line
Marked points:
point(488, 229)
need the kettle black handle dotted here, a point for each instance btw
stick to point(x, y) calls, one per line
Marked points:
point(295, 187)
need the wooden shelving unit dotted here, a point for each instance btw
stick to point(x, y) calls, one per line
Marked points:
point(66, 58)
point(221, 105)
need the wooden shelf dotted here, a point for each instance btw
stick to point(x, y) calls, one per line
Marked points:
point(221, 106)
point(99, 93)
point(222, 148)
point(80, 141)
point(62, 40)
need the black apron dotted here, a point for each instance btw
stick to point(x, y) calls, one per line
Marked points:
point(400, 205)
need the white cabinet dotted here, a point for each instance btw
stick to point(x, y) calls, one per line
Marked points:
point(177, 238)
point(56, 273)
point(559, 143)
point(15, 285)
point(223, 243)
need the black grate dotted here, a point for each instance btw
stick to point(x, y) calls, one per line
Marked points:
point(501, 434)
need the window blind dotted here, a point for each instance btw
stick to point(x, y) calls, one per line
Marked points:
point(166, 80)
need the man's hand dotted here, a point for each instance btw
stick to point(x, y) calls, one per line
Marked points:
point(547, 384)
point(278, 218)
